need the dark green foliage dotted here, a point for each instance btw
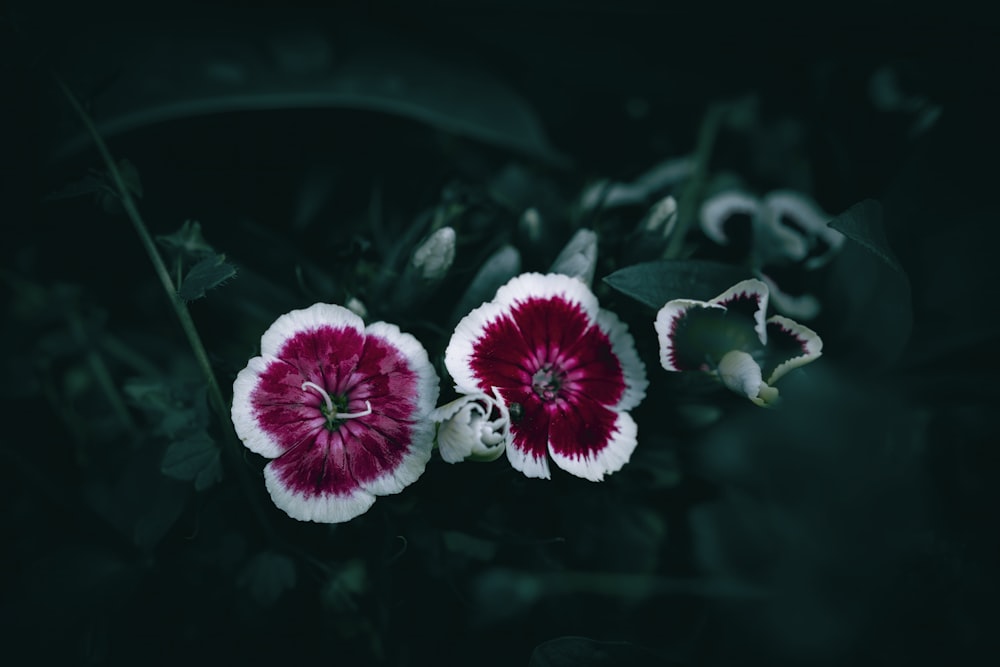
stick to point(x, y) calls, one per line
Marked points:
point(655, 283)
point(854, 524)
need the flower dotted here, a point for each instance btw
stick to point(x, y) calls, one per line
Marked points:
point(786, 228)
point(729, 337)
point(340, 408)
point(566, 371)
point(473, 427)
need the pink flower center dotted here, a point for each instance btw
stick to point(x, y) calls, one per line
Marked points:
point(547, 381)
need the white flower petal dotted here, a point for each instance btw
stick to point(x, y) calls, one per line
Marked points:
point(526, 462)
point(421, 427)
point(666, 321)
point(315, 316)
point(752, 289)
point(610, 458)
point(529, 286)
point(319, 508)
point(812, 346)
point(244, 421)
point(716, 210)
point(803, 306)
point(623, 346)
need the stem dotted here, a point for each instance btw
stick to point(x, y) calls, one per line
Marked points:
point(692, 194)
point(180, 308)
point(101, 373)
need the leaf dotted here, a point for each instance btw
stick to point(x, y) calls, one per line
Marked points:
point(187, 242)
point(655, 283)
point(193, 459)
point(583, 652)
point(501, 266)
point(267, 575)
point(205, 275)
point(869, 293)
point(130, 177)
point(380, 75)
point(862, 223)
point(92, 183)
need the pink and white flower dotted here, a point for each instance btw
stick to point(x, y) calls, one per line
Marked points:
point(729, 337)
point(565, 370)
point(342, 409)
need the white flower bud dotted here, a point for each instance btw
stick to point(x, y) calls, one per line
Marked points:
point(434, 256)
point(579, 258)
point(466, 430)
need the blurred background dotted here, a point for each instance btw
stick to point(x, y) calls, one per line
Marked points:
point(857, 525)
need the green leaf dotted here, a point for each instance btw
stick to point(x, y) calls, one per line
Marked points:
point(193, 459)
point(92, 183)
point(583, 652)
point(130, 177)
point(655, 283)
point(869, 293)
point(187, 242)
point(862, 223)
point(205, 275)
point(501, 266)
point(267, 575)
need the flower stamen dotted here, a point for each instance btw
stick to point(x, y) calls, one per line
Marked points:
point(546, 382)
point(330, 411)
point(321, 392)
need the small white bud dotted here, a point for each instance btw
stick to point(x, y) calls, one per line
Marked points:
point(579, 258)
point(434, 256)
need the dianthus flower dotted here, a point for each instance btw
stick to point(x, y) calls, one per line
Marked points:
point(564, 371)
point(787, 230)
point(340, 408)
point(729, 337)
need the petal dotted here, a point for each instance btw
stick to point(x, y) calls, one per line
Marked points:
point(716, 210)
point(741, 373)
point(590, 441)
point(679, 351)
point(455, 434)
point(791, 345)
point(800, 210)
point(633, 370)
point(747, 299)
point(775, 242)
point(313, 482)
point(803, 306)
point(397, 378)
point(806, 214)
point(289, 428)
point(529, 286)
point(503, 363)
point(311, 318)
point(528, 446)
point(324, 352)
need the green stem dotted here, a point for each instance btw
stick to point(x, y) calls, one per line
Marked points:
point(180, 308)
point(101, 373)
point(691, 196)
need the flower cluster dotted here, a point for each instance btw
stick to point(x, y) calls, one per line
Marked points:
point(346, 411)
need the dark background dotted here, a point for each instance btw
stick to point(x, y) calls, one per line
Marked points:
point(863, 531)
